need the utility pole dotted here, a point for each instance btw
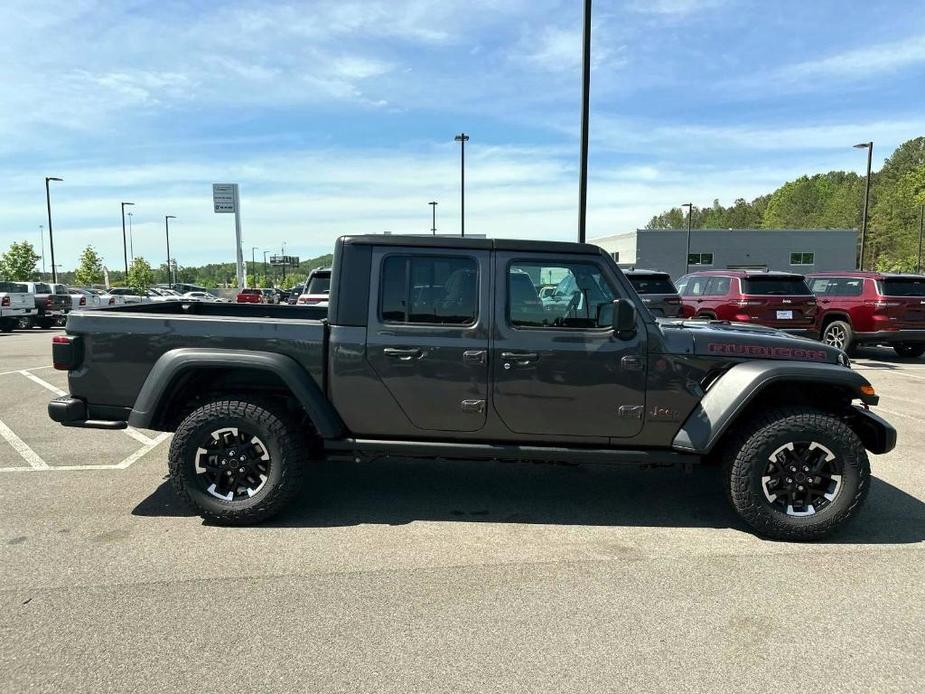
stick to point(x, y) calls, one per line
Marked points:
point(921, 233)
point(690, 217)
point(167, 219)
point(585, 107)
point(51, 236)
point(125, 243)
point(42, 237)
point(131, 239)
point(462, 139)
point(869, 146)
point(433, 209)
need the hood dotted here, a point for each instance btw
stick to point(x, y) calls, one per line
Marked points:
point(745, 341)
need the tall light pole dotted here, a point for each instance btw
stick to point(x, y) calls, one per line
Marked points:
point(131, 239)
point(51, 238)
point(462, 139)
point(254, 264)
point(869, 146)
point(124, 242)
point(433, 209)
point(167, 219)
point(42, 241)
point(265, 276)
point(690, 216)
point(921, 233)
point(585, 107)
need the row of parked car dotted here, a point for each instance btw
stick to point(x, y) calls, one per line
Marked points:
point(314, 292)
point(46, 304)
point(842, 309)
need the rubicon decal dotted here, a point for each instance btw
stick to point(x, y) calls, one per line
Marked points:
point(747, 350)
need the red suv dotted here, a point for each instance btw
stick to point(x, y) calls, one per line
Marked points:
point(871, 308)
point(773, 299)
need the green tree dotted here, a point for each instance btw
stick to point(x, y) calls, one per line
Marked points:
point(89, 267)
point(18, 263)
point(140, 274)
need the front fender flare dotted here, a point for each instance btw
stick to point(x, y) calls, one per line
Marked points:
point(731, 393)
point(173, 364)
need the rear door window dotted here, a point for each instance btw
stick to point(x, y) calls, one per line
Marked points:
point(440, 290)
point(718, 286)
point(906, 286)
point(696, 286)
point(775, 286)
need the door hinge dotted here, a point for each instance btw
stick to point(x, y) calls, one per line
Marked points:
point(477, 406)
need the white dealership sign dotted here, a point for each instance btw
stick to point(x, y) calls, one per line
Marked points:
point(225, 199)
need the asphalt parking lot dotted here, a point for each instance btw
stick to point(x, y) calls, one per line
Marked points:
point(425, 577)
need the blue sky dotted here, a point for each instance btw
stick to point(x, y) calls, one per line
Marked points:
point(338, 117)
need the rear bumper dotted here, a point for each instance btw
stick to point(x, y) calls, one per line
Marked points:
point(890, 336)
point(72, 412)
point(17, 312)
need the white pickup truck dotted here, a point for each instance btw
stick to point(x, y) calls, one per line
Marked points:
point(16, 303)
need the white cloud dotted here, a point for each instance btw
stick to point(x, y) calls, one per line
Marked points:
point(857, 64)
point(675, 8)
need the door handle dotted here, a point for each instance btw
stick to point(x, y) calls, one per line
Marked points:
point(474, 356)
point(518, 358)
point(403, 354)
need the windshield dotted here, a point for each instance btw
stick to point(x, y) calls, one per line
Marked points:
point(776, 286)
point(907, 286)
point(319, 284)
point(652, 284)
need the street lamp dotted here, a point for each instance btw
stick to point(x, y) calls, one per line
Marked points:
point(254, 265)
point(690, 216)
point(869, 146)
point(167, 219)
point(585, 108)
point(51, 238)
point(265, 276)
point(124, 243)
point(433, 209)
point(131, 239)
point(462, 139)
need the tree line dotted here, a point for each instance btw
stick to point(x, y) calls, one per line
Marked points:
point(835, 200)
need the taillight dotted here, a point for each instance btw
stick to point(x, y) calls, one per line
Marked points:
point(112, 301)
point(5, 301)
point(879, 303)
point(83, 301)
point(48, 302)
point(66, 352)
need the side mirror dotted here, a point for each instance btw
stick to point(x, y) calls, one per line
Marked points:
point(624, 318)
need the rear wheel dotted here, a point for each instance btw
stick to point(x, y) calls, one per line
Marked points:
point(839, 334)
point(796, 474)
point(238, 462)
point(7, 325)
point(909, 349)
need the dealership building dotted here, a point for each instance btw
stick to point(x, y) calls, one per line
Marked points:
point(795, 250)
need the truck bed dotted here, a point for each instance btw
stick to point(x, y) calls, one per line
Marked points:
point(122, 343)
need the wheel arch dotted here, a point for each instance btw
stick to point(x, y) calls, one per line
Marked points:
point(759, 384)
point(180, 376)
point(832, 316)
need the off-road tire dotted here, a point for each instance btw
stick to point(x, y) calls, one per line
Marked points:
point(745, 458)
point(287, 443)
point(911, 350)
point(7, 325)
point(848, 345)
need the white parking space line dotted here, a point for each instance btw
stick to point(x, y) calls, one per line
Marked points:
point(31, 368)
point(23, 449)
point(893, 413)
point(129, 431)
point(45, 384)
point(133, 458)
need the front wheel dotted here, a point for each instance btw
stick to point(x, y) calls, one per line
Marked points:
point(909, 349)
point(796, 474)
point(238, 462)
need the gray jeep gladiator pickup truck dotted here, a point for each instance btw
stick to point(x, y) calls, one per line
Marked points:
point(442, 348)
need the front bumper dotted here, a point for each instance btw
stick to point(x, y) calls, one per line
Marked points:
point(890, 336)
point(72, 412)
point(877, 434)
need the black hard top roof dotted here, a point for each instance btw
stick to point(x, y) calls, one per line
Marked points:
point(638, 271)
point(472, 244)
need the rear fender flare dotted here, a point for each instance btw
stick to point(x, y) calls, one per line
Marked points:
point(731, 393)
point(173, 364)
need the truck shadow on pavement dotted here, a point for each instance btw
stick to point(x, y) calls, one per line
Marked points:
point(395, 492)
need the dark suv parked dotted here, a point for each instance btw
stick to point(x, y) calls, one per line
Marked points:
point(871, 308)
point(656, 291)
point(773, 299)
